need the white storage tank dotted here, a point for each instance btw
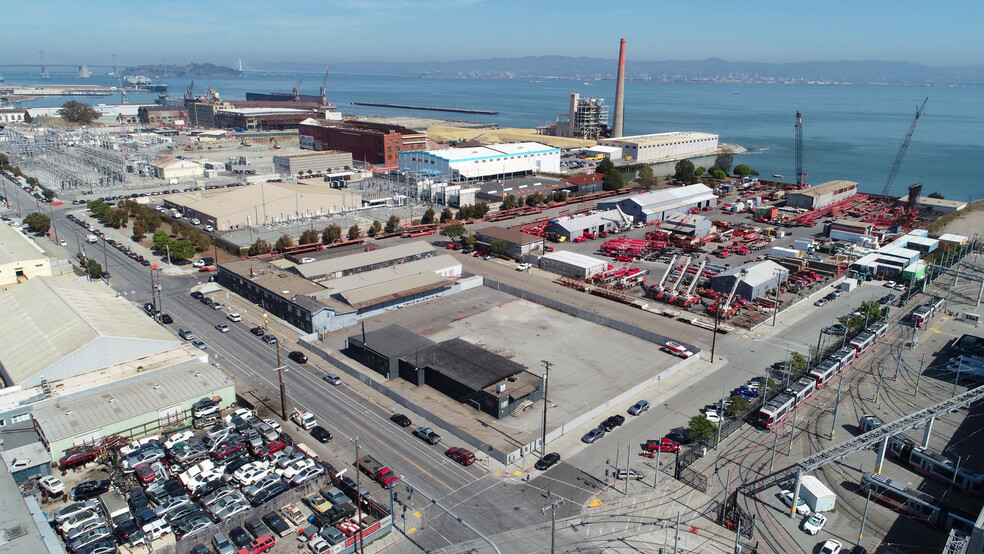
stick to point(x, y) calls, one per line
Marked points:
point(816, 495)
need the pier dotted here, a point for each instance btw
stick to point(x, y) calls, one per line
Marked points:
point(428, 108)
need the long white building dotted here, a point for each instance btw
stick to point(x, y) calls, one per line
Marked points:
point(664, 146)
point(483, 161)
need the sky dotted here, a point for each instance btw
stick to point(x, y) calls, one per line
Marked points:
point(941, 33)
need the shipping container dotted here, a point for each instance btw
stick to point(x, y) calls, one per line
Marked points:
point(816, 495)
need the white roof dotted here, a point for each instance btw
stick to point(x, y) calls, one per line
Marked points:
point(440, 265)
point(950, 237)
point(491, 151)
point(330, 266)
point(658, 138)
point(46, 319)
point(575, 259)
point(756, 272)
point(262, 111)
point(658, 198)
point(15, 247)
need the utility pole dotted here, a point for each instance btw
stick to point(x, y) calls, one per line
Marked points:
point(283, 387)
point(51, 216)
point(714, 336)
point(775, 312)
point(543, 430)
point(833, 425)
point(553, 520)
point(922, 361)
point(358, 495)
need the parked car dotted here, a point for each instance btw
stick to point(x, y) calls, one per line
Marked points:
point(821, 302)
point(814, 523)
point(593, 435)
point(51, 486)
point(664, 444)
point(523, 267)
point(239, 537)
point(613, 422)
point(639, 407)
point(333, 379)
point(276, 524)
point(321, 434)
point(76, 458)
point(258, 545)
point(401, 420)
point(831, 546)
point(427, 434)
point(72, 510)
point(681, 436)
point(89, 489)
point(298, 356)
point(463, 456)
point(547, 461)
point(629, 473)
point(787, 498)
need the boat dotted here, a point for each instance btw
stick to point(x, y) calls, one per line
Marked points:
point(736, 92)
point(777, 176)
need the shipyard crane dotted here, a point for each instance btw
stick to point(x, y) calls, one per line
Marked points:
point(673, 291)
point(798, 148)
point(658, 289)
point(190, 93)
point(688, 298)
point(731, 295)
point(44, 67)
point(324, 83)
point(122, 91)
point(902, 148)
point(297, 86)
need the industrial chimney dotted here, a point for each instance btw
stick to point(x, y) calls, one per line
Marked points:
point(619, 92)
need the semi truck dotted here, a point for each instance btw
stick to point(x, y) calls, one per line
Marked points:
point(380, 473)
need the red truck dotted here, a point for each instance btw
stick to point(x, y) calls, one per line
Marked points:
point(382, 474)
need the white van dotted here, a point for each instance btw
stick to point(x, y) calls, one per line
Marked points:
point(156, 529)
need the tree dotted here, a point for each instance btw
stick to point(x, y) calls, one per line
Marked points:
point(377, 227)
point(139, 229)
point(735, 406)
point(161, 240)
point(560, 196)
point(332, 234)
point(39, 223)
point(479, 210)
point(470, 240)
point(354, 232)
point(700, 171)
point(613, 180)
point(283, 243)
point(429, 216)
point(531, 200)
point(684, 171)
point(453, 231)
point(77, 112)
point(309, 236)
point(499, 246)
point(604, 166)
point(647, 178)
point(724, 162)
point(742, 170)
point(95, 270)
point(936, 195)
point(719, 174)
point(49, 194)
point(181, 250)
point(509, 202)
point(446, 215)
point(260, 247)
point(701, 428)
point(797, 363)
point(465, 212)
point(392, 224)
point(202, 242)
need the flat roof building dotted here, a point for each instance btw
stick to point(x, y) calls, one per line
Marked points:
point(383, 349)
point(24, 522)
point(935, 204)
point(664, 146)
point(20, 258)
point(55, 328)
point(574, 226)
point(755, 279)
point(518, 243)
point(821, 195)
point(168, 168)
point(521, 187)
point(692, 225)
point(163, 115)
point(657, 205)
point(373, 143)
point(479, 162)
point(316, 162)
point(333, 268)
point(570, 263)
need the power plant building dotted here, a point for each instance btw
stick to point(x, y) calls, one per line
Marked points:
point(664, 146)
point(587, 118)
point(478, 162)
point(372, 143)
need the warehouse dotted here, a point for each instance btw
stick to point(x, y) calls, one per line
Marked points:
point(333, 268)
point(822, 195)
point(518, 243)
point(260, 203)
point(573, 227)
point(23, 452)
point(372, 143)
point(382, 350)
point(571, 263)
point(696, 226)
point(134, 407)
point(851, 231)
point(664, 146)
point(659, 204)
point(57, 328)
point(315, 162)
point(24, 521)
point(169, 168)
point(163, 115)
point(755, 279)
point(503, 160)
point(20, 258)
point(936, 204)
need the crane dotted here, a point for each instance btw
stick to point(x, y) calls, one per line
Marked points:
point(122, 91)
point(44, 67)
point(658, 289)
point(902, 148)
point(727, 303)
point(798, 148)
point(688, 298)
point(674, 289)
point(324, 83)
point(190, 93)
point(297, 86)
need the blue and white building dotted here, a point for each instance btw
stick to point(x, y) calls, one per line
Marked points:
point(479, 162)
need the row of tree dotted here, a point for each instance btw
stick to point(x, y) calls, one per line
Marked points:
point(33, 181)
point(533, 200)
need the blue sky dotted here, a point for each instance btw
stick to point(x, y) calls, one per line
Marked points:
point(939, 33)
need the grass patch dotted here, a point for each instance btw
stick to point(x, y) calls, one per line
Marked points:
point(937, 226)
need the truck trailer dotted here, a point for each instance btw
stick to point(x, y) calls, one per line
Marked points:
point(816, 495)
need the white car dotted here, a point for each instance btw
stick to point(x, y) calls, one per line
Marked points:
point(181, 436)
point(198, 263)
point(787, 498)
point(814, 523)
point(523, 267)
point(295, 467)
point(831, 547)
point(242, 413)
point(234, 316)
point(272, 423)
point(51, 485)
point(208, 227)
point(712, 415)
point(222, 327)
point(251, 475)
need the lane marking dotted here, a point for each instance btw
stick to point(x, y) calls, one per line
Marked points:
point(398, 453)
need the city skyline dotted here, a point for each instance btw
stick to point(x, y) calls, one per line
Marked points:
point(223, 32)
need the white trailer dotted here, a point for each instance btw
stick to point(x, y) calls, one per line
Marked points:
point(816, 495)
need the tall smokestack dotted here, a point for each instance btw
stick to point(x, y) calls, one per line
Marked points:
point(619, 92)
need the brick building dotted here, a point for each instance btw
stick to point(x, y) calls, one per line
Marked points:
point(163, 115)
point(373, 143)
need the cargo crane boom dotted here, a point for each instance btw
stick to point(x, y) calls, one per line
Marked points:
point(902, 149)
point(679, 277)
point(662, 282)
point(297, 86)
point(731, 295)
point(693, 284)
point(324, 83)
point(798, 148)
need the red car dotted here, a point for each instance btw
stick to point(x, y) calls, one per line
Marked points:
point(228, 449)
point(460, 455)
point(270, 448)
point(75, 458)
point(663, 445)
point(145, 473)
point(258, 545)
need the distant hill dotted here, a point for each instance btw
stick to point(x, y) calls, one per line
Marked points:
point(712, 69)
point(188, 70)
